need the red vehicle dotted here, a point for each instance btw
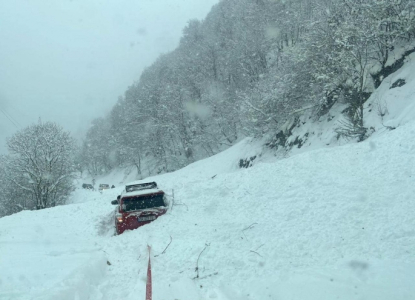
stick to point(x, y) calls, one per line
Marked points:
point(139, 204)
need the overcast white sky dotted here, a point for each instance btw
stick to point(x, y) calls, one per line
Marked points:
point(67, 61)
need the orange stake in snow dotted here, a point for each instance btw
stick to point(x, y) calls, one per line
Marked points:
point(148, 285)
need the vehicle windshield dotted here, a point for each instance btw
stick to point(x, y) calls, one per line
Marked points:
point(137, 203)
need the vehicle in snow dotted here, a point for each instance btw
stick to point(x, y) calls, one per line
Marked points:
point(103, 186)
point(138, 204)
point(87, 186)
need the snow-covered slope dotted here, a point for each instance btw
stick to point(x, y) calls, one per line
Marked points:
point(388, 107)
point(328, 224)
point(332, 223)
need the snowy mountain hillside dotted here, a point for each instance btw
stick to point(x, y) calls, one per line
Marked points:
point(224, 162)
point(390, 106)
point(332, 223)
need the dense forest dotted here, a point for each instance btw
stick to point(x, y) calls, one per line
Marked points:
point(242, 72)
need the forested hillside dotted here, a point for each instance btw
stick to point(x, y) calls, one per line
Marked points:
point(245, 70)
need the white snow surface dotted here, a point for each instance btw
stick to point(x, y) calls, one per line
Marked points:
point(329, 223)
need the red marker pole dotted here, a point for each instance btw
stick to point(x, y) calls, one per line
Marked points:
point(148, 285)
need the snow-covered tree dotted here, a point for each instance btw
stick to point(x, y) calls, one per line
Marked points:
point(97, 153)
point(40, 165)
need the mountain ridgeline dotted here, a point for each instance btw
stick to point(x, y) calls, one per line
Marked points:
point(244, 71)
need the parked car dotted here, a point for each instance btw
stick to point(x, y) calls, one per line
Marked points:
point(103, 187)
point(87, 186)
point(139, 204)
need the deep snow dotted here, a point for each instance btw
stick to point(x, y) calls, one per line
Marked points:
point(331, 223)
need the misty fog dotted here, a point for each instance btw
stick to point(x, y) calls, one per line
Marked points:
point(69, 61)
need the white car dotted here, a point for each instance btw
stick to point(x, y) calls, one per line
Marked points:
point(103, 187)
